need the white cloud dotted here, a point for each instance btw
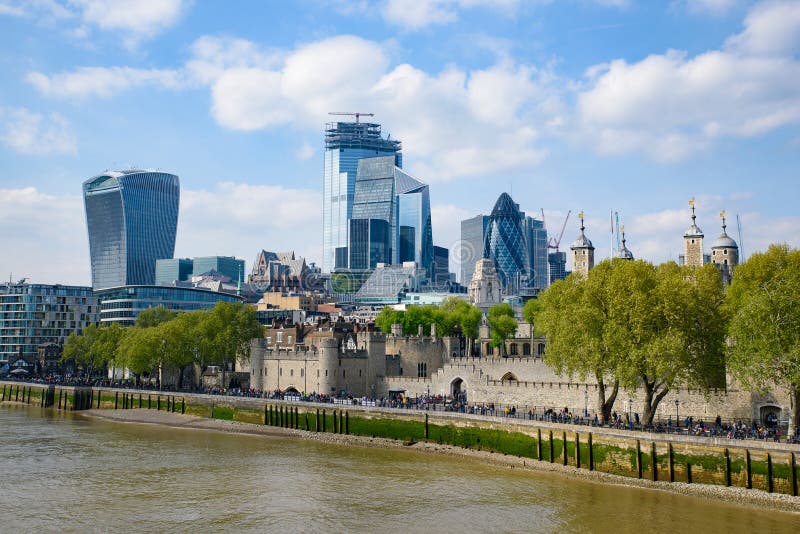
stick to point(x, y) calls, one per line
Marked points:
point(103, 81)
point(47, 234)
point(771, 28)
point(132, 20)
point(713, 7)
point(33, 133)
point(672, 105)
point(416, 14)
point(231, 219)
point(305, 152)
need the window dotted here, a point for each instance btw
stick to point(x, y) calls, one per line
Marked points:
point(280, 371)
point(269, 340)
point(526, 349)
point(513, 349)
point(291, 372)
point(422, 370)
point(540, 349)
point(280, 336)
point(289, 340)
point(301, 372)
point(343, 371)
point(359, 373)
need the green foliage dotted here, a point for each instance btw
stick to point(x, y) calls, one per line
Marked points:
point(154, 317)
point(94, 347)
point(453, 312)
point(764, 299)
point(502, 323)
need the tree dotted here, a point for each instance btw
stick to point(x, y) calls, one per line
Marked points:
point(466, 316)
point(388, 317)
point(573, 314)
point(229, 329)
point(94, 347)
point(764, 299)
point(667, 327)
point(154, 316)
point(503, 325)
point(141, 351)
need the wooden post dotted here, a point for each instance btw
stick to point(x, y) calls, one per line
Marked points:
point(60, 391)
point(307, 427)
point(29, 394)
point(116, 400)
point(316, 422)
point(324, 422)
point(638, 459)
point(577, 450)
point(671, 460)
point(749, 469)
point(140, 400)
point(266, 414)
point(296, 419)
point(4, 392)
point(539, 444)
point(552, 458)
point(426, 427)
point(793, 474)
point(183, 404)
point(158, 405)
point(564, 443)
point(688, 473)
point(347, 424)
point(149, 401)
point(654, 460)
point(591, 453)
point(770, 486)
point(727, 467)
point(16, 397)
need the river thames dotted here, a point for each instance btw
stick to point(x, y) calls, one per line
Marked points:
point(65, 472)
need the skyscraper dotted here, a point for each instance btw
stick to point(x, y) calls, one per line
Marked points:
point(391, 217)
point(345, 144)
point(132, 219)
point(507, 244)
point(471, 246)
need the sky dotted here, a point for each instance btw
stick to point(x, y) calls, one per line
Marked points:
point(568, 105)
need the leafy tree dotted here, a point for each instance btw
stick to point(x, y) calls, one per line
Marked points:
point(388, 317)
point(667, 328)
point(94, 347)
point(764, 299)
point(229, 329)
point(142, 351)
point(466, 316)
point(573, 314)
point(154, 316)
point(503, 325)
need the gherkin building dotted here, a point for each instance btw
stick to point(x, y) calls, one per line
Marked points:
point(507, 246)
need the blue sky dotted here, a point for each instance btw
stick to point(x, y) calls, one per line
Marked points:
point(575, 105)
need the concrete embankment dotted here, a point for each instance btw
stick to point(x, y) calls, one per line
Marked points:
point(761, 470)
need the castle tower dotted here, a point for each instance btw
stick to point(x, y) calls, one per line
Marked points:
point(328, 366)
point(693, 243)
point(623, 253)
point(582, 252)
point(725, 253)
point(484, 288)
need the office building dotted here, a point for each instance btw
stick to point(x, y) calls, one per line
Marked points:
point(345, 144)
point(507, 245)
point(173, 270)
point(536, 237)
point(391, 218)
point(186, 269)
point(441, 266)
point(558, 265)
point(471, 247)
point(132, 219)
point(35, 314)
point(124, 304)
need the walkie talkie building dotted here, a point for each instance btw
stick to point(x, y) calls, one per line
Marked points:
point(132, 218)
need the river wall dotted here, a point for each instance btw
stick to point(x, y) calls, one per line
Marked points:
point(750, 464)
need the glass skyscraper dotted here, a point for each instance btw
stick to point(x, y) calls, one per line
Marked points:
point(345, 144)
point(507, 245)
point(536, 235)
point(385, 193)
point(471, 247)
point(132, 218)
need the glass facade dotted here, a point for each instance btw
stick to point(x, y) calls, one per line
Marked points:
point(414, 211)
point(225, 265)
point(123, 304)
point(441, 266)
point(170, 270)
point(536, 236)
point(34, 314)
point(345, 144)
point(132, 218)
point(506, 244)
point(471, 247)
point(369, 243)
point(558, 265)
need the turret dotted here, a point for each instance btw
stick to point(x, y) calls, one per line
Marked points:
point(725, 252)
point(582, 252)
point(693, 242)
point(623, 253)
point(328, 366)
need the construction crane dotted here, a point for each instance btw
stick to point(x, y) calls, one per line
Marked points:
point(553, 242)
point(356, 114)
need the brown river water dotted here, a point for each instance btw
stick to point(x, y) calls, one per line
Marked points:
point(67, 473)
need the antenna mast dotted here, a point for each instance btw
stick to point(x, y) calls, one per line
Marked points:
point(741, 245)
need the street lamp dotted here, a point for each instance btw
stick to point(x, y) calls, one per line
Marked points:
point(677, 419)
